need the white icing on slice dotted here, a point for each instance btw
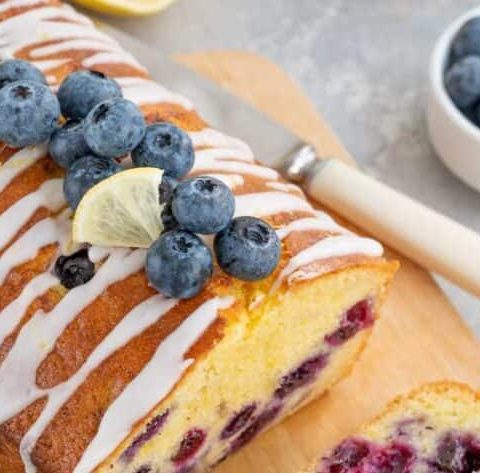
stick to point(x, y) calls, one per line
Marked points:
point(263, 204)
point(20, 161)
point(39, 335)
point(12, 314)
point(133, 324)
point(330, 247)
point(151, 385)
point(48, 195)
point(26, 247)
point(144, 91)
point(310, 224)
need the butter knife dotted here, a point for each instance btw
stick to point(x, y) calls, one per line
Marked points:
point(427, 237)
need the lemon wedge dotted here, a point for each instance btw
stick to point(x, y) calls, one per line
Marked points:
point(123, 210)
point(126, 7)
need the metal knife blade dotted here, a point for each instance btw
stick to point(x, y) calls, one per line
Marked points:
point(271, 142)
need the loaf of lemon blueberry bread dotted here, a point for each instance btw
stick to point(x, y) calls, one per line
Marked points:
point(118, 359)
point(431, 430)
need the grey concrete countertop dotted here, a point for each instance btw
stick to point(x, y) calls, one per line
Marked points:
point(364, 65)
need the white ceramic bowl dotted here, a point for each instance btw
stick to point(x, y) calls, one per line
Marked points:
point(455, 138)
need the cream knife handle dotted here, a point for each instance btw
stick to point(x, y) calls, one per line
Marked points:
point(425, 236)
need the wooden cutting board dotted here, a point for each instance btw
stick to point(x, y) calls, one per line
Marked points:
point(419, 338)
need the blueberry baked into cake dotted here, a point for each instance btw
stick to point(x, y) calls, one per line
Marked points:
point(435, 429)
point(163, 297)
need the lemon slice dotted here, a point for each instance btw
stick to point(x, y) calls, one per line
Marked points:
point(126, 7)
point(122, 210)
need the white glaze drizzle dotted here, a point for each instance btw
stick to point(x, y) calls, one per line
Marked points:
point(9, 4)
point(48, 195)
point(12, 314)
point(145, 91)
point(326, 224)
point(71, 45)
point(151, 384)
point(230, 180)
point(20, 161)
point(216, 153)
point(215, 139)
point(262, 204)
point(134, 323)
point(283, 187)
point(330, 247)
point(25, 248)
point(39, 335)
point(207, 161)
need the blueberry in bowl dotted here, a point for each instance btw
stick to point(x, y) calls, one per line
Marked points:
point(453, 109)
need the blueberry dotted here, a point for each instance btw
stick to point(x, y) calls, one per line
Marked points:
point(114, 128)
point(191, 443)
point(179, 264)
point(258, 424)
point(28, 113)
point(151, 429)
point(467, 40)
point(358, 317)
point(167, 186)
point(74, 270)
point(84, 173)
point(167, 147)
point(203, 205)
point(13, 70)
point(168, 220)
point(462, 81)
point(68, 144)
point(349, 454)
point(83, 90)
point(248, 249)
point(301, 376)
point(238, 421)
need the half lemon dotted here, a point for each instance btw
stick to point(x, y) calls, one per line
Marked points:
point(123, 210)
point(126, 7)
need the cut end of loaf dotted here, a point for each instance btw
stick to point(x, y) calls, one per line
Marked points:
point(288, 350)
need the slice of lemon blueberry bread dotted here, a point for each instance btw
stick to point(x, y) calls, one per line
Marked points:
point(434, 429)
point(247, 304)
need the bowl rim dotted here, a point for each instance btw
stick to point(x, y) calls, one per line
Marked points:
point(438, 60)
